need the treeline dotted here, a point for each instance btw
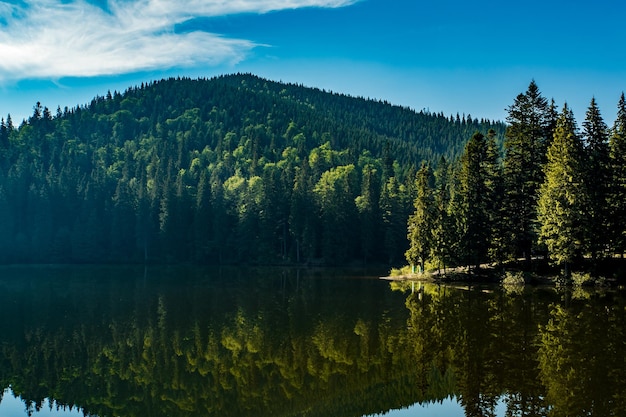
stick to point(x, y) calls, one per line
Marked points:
point(555, 191)
point(227, 170)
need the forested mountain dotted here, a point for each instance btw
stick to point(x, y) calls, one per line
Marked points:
point(233, 169)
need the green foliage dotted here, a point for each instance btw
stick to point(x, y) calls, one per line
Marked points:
point(421, 222)
point(580, 279)
point(335, 193)
point(575, 345)
point(617, 188)
point(598, 181)
point(526, 142)
point(553, 192)
point(443, 231)
point(563, 196)
point(394, 213)
point(225, 170)
point(238, 169)
point(478, 176)
point(513, 282)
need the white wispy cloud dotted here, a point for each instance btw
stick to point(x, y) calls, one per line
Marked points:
point(60, 38)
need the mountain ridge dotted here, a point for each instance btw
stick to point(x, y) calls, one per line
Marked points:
point(231, 169)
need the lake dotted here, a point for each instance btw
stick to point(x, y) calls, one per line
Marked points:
point(182, 341)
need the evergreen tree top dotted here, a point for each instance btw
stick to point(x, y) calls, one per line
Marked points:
point(620, 122)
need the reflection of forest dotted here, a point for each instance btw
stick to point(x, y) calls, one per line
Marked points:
point(235, 343)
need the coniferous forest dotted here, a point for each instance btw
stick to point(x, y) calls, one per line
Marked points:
point(553, 191)
point(235, 169)
point(239, 169)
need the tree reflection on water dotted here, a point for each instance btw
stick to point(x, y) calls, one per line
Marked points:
point(244, 342)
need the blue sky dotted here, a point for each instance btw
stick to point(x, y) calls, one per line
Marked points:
point(469, 57)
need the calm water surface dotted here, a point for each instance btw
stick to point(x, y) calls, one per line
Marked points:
point(129, 342)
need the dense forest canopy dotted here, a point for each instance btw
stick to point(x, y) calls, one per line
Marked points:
point(224, 170)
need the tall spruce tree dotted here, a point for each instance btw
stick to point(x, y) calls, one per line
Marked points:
point(203, 212)
point(421, 222)
point(495, 185)
point(598, 179)
point(367, 206)
point(443, 226)
point(617, 192)
point(393, 221)
point(563, 198)
point(477, 178)
point(301, 216)
point(525, 144)
point(4, 134)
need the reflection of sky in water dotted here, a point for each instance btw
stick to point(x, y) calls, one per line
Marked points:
point(10, 406)
point(447, 408)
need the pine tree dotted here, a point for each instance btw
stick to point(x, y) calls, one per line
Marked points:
point(367, 206)
point(4, 134)
point(203, 216)
point(563, 197)
point(393, 219)
point(146, 219)
point(525, 145)
point(122, 234)
point(498, 249)
point(552, 116)
point(617, 192)
point(222, 221)
point(301, 224)
point(421, 222)
point(598, 179)
point(443, 223)
point(10, 126)
point(477, 178)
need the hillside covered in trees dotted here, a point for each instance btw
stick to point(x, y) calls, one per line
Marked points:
point(234, 169)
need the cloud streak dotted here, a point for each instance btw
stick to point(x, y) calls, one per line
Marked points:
point(57, 38)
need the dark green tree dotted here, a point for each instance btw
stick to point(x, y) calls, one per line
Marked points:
point(369, 212)
point(421, 224)
point(477, 179)
point(617, 192)
point(4, 134)
point(498, 247)
point(275, 205)
point(443, 222)
point(123, 239)
point(203, 218)
point(223, 222)
point(393, 220)
point(563, 197)
point(525, 145)
point(598, 180)
point(302, 214)
point(335, 195)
